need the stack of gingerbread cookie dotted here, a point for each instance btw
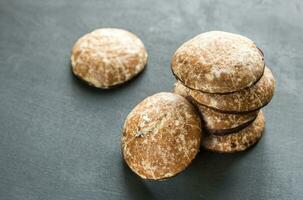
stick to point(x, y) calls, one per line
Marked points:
point(225, 76)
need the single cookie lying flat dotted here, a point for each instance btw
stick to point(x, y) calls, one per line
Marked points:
point(252, 98)
point(218, 62)
point(108, 57)
point(161, 136)
point(238, 141)
point(216, 122)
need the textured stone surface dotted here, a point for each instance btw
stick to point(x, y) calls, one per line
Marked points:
point(218, 62)
point(252, 98)
point(161, 136)
point(215, 121)
point(108, 57)
point(238, 141)
point(60, 139)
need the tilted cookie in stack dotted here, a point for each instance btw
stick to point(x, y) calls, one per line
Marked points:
point(225, 76)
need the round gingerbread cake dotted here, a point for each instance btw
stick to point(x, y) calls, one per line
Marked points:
point(108, 57)
point(161, 136)
point(218, 62)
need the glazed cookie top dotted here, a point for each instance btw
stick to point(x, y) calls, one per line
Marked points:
point(238, 141)
point(108, 57)
point(161, 136)
point(218, 62)
point(249, 99)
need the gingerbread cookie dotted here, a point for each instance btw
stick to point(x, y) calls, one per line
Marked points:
point(161, 136)
point(238, 141)
point(218, 62)
point(249, 99)
point(108, 57)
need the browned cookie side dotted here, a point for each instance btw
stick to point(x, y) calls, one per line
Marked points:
point(252, 98)
point(216, 122)
point(223, 123)
point(238, 141)
point(180, 89)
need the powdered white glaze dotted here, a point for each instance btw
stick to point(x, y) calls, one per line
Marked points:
point(161, 136)
point(218, 62)
point(108, 57)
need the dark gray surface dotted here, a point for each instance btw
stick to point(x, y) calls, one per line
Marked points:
point(60, 139)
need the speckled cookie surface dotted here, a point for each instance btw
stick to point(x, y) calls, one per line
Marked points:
point(218, 62)
point(245, 100)
point(108, 57)
point(238, 141)
point(215, 121)
point(161, 136)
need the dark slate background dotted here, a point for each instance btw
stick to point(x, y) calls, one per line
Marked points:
point(60, 139)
